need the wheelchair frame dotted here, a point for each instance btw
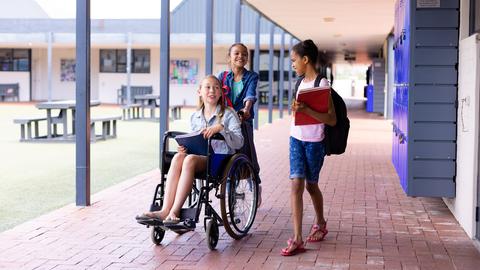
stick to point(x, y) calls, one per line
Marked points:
point(201, 195)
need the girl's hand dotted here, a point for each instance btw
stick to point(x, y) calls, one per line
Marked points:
point(299, 107)
point(246, 114)
point(210, 131)
point(181, 149)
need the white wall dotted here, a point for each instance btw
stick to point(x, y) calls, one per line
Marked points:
point(60, 90)
point(23, 78)
point(465, 201)
point(108, 83)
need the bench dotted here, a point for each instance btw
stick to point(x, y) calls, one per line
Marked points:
point(176, 112)
point(109, 128)
point(134, 91)
point(131, 111)
point(9, 91)
point(28, 123)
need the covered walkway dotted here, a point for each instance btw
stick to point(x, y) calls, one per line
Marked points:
point(372, 224)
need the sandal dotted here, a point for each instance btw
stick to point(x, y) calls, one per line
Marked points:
point(171, 221)
point(143, 217)
point(316, 229)
point(293, 248)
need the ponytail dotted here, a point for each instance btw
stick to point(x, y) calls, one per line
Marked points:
point(307, 48)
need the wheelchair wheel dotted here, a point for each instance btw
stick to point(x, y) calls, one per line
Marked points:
point(157, 235)
point(239, 203)
point(212, 233)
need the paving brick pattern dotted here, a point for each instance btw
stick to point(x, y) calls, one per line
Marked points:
point(372, 224)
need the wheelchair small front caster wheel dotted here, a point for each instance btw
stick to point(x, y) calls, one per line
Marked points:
point(212, 234)
point(157, 235)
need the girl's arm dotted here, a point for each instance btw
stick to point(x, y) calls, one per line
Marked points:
point(247, 108)
point(251, 85)
point(329, 118)
point(232, 131)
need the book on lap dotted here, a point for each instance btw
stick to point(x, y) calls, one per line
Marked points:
point(194, 142)
point(317, 99)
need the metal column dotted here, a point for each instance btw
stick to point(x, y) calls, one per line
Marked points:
point(164, 70)
point(290, 76)
point(82, 107)
point(389, 84)
point(281, 62)
point(49, 64)
point(238, 20)
point(209, 37)
point(129, 67)
point(270, 74)
point(256, 65)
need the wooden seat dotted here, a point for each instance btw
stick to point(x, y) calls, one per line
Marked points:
point(28, 122)
point(131, 111)
point(109, 128)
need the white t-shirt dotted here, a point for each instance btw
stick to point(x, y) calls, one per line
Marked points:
point(308, 133)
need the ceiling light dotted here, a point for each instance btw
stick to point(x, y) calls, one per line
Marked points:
point(328, 19)
point(337, 35)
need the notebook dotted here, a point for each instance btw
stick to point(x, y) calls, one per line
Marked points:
point(315, 98)
point(194, 142)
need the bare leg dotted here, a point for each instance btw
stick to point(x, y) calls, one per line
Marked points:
point(317, 200)
point(170, 186)
point(318, 232)
point(296, 198)
point(191, 164)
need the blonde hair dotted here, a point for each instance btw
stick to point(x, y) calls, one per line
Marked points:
point(221, 100)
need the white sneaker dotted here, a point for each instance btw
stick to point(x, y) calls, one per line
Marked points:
point(259, 199)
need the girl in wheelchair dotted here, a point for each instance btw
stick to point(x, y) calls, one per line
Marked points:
point(212, 117)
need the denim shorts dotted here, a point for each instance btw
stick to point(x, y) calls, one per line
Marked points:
point(306, 159)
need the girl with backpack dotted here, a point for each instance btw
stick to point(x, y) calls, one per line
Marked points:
point(307, 151)
point(240, 90)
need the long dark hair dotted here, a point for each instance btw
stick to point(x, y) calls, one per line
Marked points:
point(307, 48)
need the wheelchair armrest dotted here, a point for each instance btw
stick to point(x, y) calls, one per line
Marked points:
point(173, 134)
point(217, 136)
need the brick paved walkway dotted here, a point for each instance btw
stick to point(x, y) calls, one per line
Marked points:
point(372, 224)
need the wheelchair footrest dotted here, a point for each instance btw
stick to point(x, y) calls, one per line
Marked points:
point(187, 220)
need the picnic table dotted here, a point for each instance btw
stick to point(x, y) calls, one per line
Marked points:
point(64, 106)
point(147, 101)
point(108, 124)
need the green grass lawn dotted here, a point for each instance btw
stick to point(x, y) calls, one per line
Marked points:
point(38, 177)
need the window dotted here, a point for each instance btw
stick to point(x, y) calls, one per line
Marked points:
point(14, 59)
point(115, 61)
point(141, 61)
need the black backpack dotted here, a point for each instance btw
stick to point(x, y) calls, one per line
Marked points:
point(336, 136)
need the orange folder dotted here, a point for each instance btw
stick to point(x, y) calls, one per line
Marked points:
point(315, 98)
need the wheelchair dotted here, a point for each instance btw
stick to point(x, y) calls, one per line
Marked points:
point(234, 181)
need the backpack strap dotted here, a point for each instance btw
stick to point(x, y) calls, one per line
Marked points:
point(226, 90)
point(297, 84)
point(317, 80)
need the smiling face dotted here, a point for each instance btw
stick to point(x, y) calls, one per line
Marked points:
point(299, 64)
point(238, 56)
point(210, 91)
